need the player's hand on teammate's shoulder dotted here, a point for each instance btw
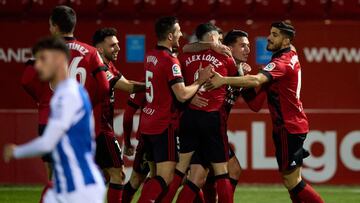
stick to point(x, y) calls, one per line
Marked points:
point(205, 73)
point(215, 82)
point(8, 152)
point(129, 150)
point(199, 101)
point(221, 49)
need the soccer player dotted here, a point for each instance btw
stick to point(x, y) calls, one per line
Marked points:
point(86, 64)
point(108, 152)
point(41, 94)
point(201, 127)
point(164, 85)
point(281, 79)
point(238, 42)
point(69, 134)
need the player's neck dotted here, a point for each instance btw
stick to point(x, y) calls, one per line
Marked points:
point(165, 44)
point(67, 34)
point(61, 75)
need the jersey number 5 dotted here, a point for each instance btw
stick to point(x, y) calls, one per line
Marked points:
point(149, 94)
point(76, 71)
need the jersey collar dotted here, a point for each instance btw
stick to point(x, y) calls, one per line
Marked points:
point(159, 47)
point(69, 38)
point(280, 52)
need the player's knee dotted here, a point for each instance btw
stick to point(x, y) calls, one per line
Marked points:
point(136, 180)
point(168, 177)
point(220, 168)
point(290, 181)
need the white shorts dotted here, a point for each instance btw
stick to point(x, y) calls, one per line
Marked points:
point(89, 194)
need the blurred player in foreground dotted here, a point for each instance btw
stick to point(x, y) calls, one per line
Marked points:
point(164, 86)
point(69, 134)
point(281, 80)
point(108, 151)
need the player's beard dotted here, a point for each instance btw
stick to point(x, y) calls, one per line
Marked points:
point(273, 47)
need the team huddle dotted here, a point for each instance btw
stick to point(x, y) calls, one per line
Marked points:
point(185, 100)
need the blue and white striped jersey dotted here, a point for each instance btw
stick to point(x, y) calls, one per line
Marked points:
point(69, 136)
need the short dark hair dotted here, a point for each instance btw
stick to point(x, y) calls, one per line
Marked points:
point(232, 36)
point(164, 26)
point(100, 35)
point(204, 28)
point(285, 28)
point(51, 43)
point(64, 17)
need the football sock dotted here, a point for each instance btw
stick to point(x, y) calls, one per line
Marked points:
point(47, 186)
point(304, 193)
point(173, 187)
point(152, 190)
point(188, 193)
point(128, 193)
point(224, 188)
point(209, 190)
point(114, 194)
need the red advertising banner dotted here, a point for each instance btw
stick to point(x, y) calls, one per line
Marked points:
point(329, 53)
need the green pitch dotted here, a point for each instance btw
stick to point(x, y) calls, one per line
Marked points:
point(244, 193)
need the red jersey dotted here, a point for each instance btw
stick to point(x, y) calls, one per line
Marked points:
point(38, 90)
point(222, 64)
point(104, 113)
point(283, 92)
point(162, 70)
point(135, 102)
point(87, 67)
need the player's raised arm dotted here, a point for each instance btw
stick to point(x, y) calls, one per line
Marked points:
point(184, 93)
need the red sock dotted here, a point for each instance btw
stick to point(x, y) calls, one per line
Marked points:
point(188, 193)
point(224, 189)
point(47, 186)
point(128, 193)
point(303, 192)
point(152, 190)
point(199, 197)
point(114, 194)
point(209, 190)
point(173, 187)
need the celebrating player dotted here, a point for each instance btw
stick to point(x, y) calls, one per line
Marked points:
point(200, 127)
point(164, 81)
point(281, 79)
point(69, 134)
point(238, 42)
point(108, 152)
point(85, 64)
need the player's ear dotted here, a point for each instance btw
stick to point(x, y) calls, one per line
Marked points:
point(170, 36)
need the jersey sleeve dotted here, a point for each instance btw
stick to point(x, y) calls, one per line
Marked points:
point(65, 112)
point(100, 75)
point(273, 70)
point(30, 81)
point(173, 71)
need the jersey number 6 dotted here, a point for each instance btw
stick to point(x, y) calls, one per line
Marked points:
point(76, 71)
